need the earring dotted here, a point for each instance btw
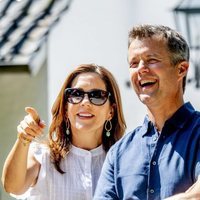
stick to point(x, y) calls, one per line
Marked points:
point(108, 127)
point(67, 128)
point(54, 137)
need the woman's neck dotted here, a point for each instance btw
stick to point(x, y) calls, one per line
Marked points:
point(87, 141)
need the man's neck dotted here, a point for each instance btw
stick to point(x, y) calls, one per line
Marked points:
point(159, 114)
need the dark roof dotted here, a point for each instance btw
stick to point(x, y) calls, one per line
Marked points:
point(24, 27)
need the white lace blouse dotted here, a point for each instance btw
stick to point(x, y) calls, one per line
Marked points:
point(82, 169)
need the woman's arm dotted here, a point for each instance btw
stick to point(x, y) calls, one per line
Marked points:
point(21, 169)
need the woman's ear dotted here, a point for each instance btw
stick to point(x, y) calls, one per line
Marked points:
point(112, 110)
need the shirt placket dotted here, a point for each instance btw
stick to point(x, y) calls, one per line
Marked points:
point(153, 167)
point(88, 177)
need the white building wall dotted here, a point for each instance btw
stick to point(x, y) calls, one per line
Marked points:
point(95, 31)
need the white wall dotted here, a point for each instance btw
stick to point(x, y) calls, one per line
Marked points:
point(96, 32)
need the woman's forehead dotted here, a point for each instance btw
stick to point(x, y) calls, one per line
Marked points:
point(88, 79)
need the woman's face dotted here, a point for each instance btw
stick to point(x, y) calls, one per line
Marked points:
point(85, 117)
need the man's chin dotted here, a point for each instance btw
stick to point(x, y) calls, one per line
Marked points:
point(145, 98)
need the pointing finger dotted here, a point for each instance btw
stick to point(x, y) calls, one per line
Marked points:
point(33, 113)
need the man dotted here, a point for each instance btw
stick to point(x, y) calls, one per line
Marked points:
point(161, 158)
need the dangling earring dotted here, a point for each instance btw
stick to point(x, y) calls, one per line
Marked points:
point(108, 129)
point(67, 127)
point(54, 137)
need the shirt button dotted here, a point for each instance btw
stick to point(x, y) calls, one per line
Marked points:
point(163, 136)
point(154, 163)
point(155, 138)
point(153, 145)
point(151, 191)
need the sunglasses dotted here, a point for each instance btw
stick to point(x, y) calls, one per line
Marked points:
point(95, 96)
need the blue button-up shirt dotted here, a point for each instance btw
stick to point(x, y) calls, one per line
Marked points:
point(147, 165)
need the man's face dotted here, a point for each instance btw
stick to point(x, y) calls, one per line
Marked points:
point(154, 79)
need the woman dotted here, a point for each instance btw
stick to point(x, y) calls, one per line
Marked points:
point(87, 119)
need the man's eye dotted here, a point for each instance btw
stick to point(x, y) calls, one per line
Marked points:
point(133, 65)
point(152, 61)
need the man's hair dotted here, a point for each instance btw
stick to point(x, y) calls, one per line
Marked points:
point(176, 44)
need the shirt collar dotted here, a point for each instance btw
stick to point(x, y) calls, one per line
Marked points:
point(82, 152)
point(146, 125)
point(178, 119)
point(181, 116)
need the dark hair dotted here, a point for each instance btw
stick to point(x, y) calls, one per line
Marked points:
point(60, 147)
point(176, 44)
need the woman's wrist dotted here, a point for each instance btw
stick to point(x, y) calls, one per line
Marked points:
point(23, 138)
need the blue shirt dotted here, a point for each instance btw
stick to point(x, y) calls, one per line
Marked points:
point(147, 165)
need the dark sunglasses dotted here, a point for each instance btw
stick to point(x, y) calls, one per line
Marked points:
point(96, 96)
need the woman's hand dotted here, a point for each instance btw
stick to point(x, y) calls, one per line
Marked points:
point(21, 169)
point(30, 127)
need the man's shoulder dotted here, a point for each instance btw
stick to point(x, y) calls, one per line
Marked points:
point(197, 114)
point(126, 140)
point(194, 117)
point(130, 135)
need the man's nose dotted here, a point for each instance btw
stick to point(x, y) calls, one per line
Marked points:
point(143, 67)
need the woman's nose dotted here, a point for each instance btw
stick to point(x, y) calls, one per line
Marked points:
point(85, 100)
